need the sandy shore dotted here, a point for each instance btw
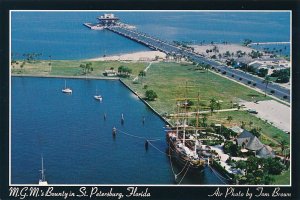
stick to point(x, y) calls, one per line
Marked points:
point(274, 112)
point(138, 56)
point(232, 48)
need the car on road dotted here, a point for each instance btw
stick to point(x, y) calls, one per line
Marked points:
point(252, 111)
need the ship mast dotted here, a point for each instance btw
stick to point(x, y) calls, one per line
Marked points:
point(42, 171)
point(197, 114)
point(197, 123)
point(196, 140)
point(177, 120)
point(185, 113)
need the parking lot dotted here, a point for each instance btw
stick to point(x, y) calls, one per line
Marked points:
point(274, 112)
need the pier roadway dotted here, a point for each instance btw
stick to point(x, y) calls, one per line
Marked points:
point(173, 50)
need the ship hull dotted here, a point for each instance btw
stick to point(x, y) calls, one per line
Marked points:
point(183, 160)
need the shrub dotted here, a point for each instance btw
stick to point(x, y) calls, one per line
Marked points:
point(150, 95)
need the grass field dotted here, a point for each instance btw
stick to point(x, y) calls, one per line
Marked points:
point(168, 80)
point(270, 135)
point(71, 68)
point(282, 179)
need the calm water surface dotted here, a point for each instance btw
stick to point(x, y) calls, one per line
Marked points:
point(76, 141)
point(62, 35)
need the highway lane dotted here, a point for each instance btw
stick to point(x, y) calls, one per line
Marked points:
point(164, 46)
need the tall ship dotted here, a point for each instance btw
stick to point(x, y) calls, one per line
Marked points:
point(184, 141)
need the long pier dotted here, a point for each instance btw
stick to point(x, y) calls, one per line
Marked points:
point(264, 43)
point(155, 43)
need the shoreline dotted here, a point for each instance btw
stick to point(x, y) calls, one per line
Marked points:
point(69, 77)
point(146, 103)
point(134, 56)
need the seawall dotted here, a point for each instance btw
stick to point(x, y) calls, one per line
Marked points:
point(146, 103)
point(70, 77)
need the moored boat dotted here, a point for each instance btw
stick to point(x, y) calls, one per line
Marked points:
point(42, 181)
point(67, 89)
point(183, 151)
point(97, 96)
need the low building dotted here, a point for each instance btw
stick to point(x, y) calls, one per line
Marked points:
point(236, 129)
point(110, 72)
point(247, 141)
point(269, 65)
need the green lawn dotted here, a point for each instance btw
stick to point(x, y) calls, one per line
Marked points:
point(71, 68)
point(282, 179)
point(270, 135)
point(168, 80)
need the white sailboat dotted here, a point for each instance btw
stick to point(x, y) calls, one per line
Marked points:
point(98, 97)
point(66, 89)
point(42, 181)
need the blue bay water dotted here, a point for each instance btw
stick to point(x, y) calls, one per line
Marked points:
point(62, 35)
point(279, 49)
point(76, 142)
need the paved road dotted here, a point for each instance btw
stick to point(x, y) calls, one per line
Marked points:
point(168, 48)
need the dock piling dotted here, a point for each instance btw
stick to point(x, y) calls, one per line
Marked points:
point(146, 145)
point(114, 132)
point(122, 119)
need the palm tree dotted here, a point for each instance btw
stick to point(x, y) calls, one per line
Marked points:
point(22, 65)
point(266, 81)
point(212, 105)
point(282, 145)
point(88, 67)
point(207, 67)
point(142, 74)
point(204, 120)
point(250, 124)
point(218, 105)
point(83, 67)
point(50, 65)
point(229, 118)
point(243, 124)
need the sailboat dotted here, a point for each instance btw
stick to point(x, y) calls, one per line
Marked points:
point(98, 97)
point(66, 89)
point(42, 181)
